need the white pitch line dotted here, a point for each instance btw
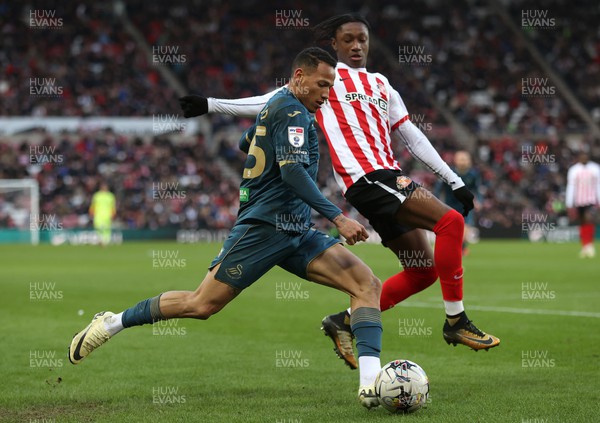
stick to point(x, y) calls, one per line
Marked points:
point(511, 310)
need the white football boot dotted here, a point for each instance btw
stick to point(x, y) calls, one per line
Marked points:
point(90, 338)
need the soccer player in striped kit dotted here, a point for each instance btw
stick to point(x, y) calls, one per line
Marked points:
point(364, 116)
point(583, 193)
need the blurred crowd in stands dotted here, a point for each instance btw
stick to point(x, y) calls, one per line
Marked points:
point(462, 54)
point(161, 183)
point(571, 46)
point(459, 56)
point(156, 185)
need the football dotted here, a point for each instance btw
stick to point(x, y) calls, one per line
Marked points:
point(402, 386)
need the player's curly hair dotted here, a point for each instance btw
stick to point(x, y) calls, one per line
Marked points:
point(326, 30)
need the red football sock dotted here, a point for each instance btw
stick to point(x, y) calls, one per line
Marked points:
point(586, 233)
point(404, 284)
point(448, 254)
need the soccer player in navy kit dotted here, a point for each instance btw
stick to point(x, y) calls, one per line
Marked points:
point(278, 187)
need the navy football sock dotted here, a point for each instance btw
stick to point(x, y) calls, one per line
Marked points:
point(366, 326)
point(147, 311)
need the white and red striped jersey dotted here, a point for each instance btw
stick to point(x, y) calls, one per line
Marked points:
point(357, 121)
point(583, 185)
point(362, 119)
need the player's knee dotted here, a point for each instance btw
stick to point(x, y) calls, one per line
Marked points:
point(456, 218)
point(373, 284)
point(452, 221)
point(204, 311)
point(200, 309)
point(376, 285)
point(369, 285)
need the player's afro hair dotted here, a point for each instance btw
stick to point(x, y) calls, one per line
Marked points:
point(326, 30)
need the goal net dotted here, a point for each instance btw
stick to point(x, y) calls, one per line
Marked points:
point(19, 211)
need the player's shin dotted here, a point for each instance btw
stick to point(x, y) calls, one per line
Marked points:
point(366, 326)
point(402, 285)
point(586, 233)
point(448, 260)
point(147, 311)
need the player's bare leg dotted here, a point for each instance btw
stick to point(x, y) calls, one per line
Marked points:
point(339, 268)
point(423, 210)
point(210, 297)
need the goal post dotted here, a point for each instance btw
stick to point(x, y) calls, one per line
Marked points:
point(20, 202)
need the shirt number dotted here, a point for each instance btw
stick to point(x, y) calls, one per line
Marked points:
point(259, 164)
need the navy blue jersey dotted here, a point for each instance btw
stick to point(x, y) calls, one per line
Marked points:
point(284, 132)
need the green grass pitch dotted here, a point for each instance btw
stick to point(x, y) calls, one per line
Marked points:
point(264, 359)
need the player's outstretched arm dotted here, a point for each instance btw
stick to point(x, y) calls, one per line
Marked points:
point(420, 148)
point(196, 105)
point(416, 142)
point(296, 177)
point(193, 105)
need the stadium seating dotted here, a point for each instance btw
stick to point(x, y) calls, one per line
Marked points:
point(239, 50)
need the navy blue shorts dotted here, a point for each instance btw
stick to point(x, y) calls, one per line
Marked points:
point(251, 250)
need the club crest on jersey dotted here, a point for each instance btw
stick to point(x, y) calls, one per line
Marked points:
point(382, 89)
point(296, 136)
point(403, 181)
